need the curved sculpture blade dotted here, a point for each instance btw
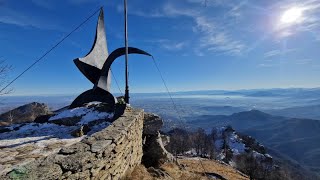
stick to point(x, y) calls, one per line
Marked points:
point(92, 63)
point(104, 82)
point(91, 72)
point(91, 95)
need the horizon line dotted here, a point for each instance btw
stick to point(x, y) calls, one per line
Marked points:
point(160, 92)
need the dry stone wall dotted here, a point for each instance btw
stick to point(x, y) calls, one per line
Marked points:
point(108, 154)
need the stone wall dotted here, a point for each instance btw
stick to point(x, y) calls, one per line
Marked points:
point(108, 154)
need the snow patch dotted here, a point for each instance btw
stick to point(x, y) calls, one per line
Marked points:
point(235, 144)
point(98, 127)
point(268, 156)
point(192, 152)
point(80, 111)
point(87, 114)
point(93, 103)
point(94, 115)
point(35, 133)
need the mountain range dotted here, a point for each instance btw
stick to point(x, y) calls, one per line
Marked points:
point(311, 112)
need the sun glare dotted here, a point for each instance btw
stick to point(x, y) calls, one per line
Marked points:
point(292, 15)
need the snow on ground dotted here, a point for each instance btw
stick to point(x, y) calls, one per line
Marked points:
point(234, 141)
point(87, 114)
point(95, 115)
point(36, 129)
point(235, 144)
point(191, 152)
point(98, 127)
point(268, 156)
point(258, 155)
point(221, 156)
point(40, 133)
point(80, 111)
point(34, 132)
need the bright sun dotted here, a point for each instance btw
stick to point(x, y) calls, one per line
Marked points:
point(292, 15)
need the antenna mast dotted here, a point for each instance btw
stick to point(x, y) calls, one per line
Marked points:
point(126, 96)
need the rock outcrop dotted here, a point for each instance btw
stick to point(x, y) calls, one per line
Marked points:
point(154, 153)
point(25, 113)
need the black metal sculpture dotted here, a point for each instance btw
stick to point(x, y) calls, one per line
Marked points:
point(95, 66)
point(92, 63)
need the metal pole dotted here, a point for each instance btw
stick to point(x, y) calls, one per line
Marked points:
point(126, 97)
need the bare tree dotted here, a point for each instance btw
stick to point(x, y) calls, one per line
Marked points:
point(259, 168)
point(4, 70)
point(10, 117)
point(179, 142)
point(199, 141)
point(226, 149)
point(34, 107)
point(248, 164)
point(213, 137)
point(209, 150)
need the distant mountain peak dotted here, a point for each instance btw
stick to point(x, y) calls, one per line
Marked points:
point(25, 113)
point(252, 115)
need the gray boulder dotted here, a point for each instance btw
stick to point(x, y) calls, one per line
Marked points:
point(154, 153)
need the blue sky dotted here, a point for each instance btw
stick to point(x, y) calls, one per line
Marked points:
point(220, 44)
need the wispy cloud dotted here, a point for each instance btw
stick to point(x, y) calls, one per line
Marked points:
point(217, 34)
point(277, 52)
point(18, 18)
point(23, 18)
point(152, 14)
point(166, 10)
point(174, 46)
point(272, 53)
point(213, 35)
point(169, 45)
point(216, 39)
point(173, 11)
point(234, 8)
